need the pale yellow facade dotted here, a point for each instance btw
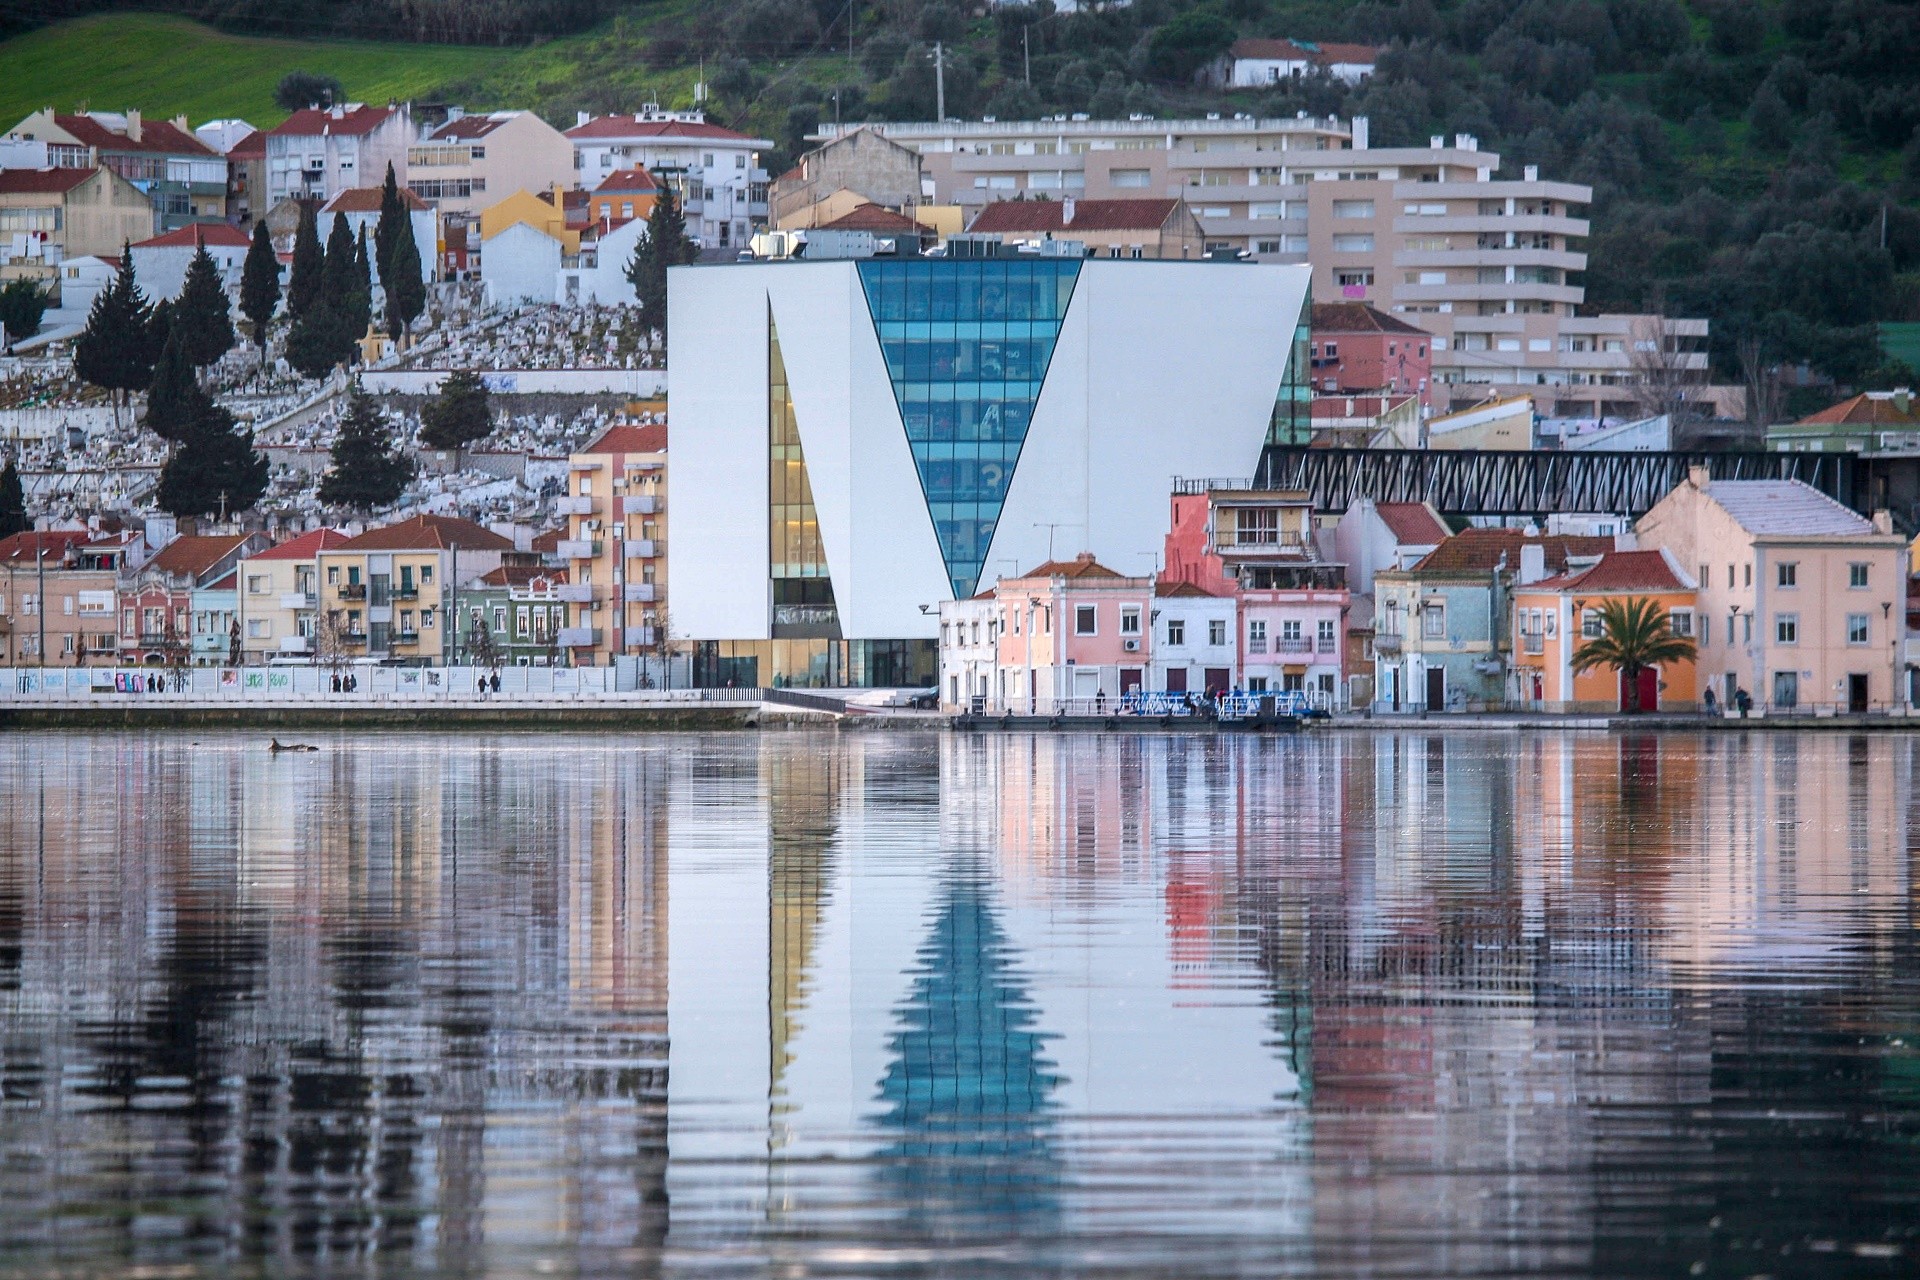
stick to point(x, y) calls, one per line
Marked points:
point(461, 174)
point(277, 600)
point(541, 215)
point(616, 508)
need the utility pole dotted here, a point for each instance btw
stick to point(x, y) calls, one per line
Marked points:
point(1026, 55)
point(939, 82)
point(40, 601)
point(451, 616)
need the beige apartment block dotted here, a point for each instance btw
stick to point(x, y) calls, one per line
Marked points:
point(616, 509)
point(1802, 600)
point(474, 161)
point(48, 216)
point(387, 593)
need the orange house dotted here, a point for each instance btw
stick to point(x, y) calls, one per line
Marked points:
point(623, 196)
point(1552, 618)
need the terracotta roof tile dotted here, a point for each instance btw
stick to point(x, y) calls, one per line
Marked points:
point(871, 217)
point(1481, 550)
point(367, 200)
point(634, 127)
point(194, 554)
point(644, 438)
point(212, 234)
point(1082, 567)
point(1035, 216)
point(427, 533)
point(50, 182)
point(304, 547)
point(625, 181)
point(1620, 571)
point(467, 128)
point(50, 545)
point(1357, 317)
point(315, 121)
point(1414, 524)
point(1181, 590)
point(157, 137)
point(1881, 409)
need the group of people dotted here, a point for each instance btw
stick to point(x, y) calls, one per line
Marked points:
point(486, 684)
point(345, 683)
point(1742, 701)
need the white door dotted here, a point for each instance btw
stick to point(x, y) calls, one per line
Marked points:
point(1085, 683)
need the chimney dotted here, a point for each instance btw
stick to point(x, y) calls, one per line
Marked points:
point(1699, 477)
point(133, 126)
point(580, 118)
point(1533, 562)
point(1902, 400)
point(1531, 173)
point(1359, 133)
point(180, 123)
point(1466, 142)
point(337, 111)
point(1066, 211)
point(1436, 141)
point(1882, 521)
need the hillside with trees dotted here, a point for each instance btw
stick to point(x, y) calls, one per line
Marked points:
point(1756, 162)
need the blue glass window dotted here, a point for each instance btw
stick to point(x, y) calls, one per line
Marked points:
point(967, 343)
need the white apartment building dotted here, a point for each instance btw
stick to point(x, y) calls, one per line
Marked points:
point(714, 172)
point(321, 151)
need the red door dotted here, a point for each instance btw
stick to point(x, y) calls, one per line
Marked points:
point(1218, 679)
point(1129, 680)
point(1649, 691)
point(1176, 679)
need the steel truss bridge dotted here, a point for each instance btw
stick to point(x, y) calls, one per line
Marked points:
point(1516, 483)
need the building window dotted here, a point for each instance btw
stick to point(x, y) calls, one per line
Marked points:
point(1258, 526)
point(1788, 574)
point(1856, 628)
point(1083, 620)
point(1176, 632)
point(1129, 622)
point(1590, 625)
point(1857, 575)
point(1786, 627)
point(1680, 622)
point(1326, 635)
point(1290, 630)
point(1350, 279)
point(1353, 244)
point(1256, 636)
point(256, 584)
point(1433, 621)
point(1216, 631)
point(1353, 208)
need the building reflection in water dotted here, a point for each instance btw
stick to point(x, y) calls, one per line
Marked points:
point(1415, 1002)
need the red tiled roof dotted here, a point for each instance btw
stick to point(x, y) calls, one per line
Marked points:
point(194, 554)
point(627, 181)
point(1481, 550)
point(1357, 317)
point(158, 137)
point(1881, 410)
point(227, 583)
point(1081, 566)
point(251, 147)
point(304, 547)
point(549, 541)
point(466, 128)
point(427, 533)
point(196, 234)
point(49, 545)
point(648, 437)
point(1181, 590)
point(519, 575)
point(1321, 54)
point(1414, 524)
point(871, 217)
point(634, 127)
point(50, 182)
point(1033, 216)
point(367, 200)
point(1618, 571)
point(315, 121)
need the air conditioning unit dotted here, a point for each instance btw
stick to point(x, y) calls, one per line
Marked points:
point(1132, 646)
point(590, 526)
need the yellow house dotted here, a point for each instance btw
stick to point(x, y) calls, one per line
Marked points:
point(386, 593)
point(278, 597)
point(535, 211)
point(1552, 618)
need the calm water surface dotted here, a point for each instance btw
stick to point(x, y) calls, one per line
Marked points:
point(893, 1004)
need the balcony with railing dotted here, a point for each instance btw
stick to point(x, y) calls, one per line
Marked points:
point(1291, 644)
point(405, 637)
point(578, 548)
point(584, 504)
point(406, 591)
point(642, 637)
point(354, 637)
point(353, 591)
point(640, 504)
point(296, 644)
point(299, 600)
point(579, 637)
point(1533, 644)
point(642, 549)
point(575, 592)
point(639, 593)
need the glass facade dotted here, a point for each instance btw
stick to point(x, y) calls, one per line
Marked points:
point(967, 343)
point(803, 604)
point(1293, 407)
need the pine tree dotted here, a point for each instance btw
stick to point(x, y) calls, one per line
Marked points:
point(214, 469)
point(303, 282)
point(360, 318)
point(115, 350)
point(666, 245)
point(175, 401)
point(406, 292)
point(366, 471)
point(22, 304)
point(260, 285)
point(13, 502)
point(201, 318)
point(459, 415)
point(386, 233)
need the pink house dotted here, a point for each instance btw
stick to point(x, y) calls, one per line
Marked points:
point(1070, 629)
point(1257, 545)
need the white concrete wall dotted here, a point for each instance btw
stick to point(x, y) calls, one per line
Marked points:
point(1161, 370)
point(520, 265)
point(162, 272)
point(645, 383)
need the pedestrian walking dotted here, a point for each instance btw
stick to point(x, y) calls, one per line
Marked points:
point(1708, 702)
point(495, 682)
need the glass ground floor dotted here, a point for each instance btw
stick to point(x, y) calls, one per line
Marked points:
point(815, 664)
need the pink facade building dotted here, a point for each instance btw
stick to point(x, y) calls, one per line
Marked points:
point(1067, 630)
point(1357, 350)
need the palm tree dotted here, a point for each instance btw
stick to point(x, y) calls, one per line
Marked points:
point(1634, 637)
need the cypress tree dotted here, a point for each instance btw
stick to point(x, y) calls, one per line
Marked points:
point(386, 234)
point(366, 471)
point(666, 245)
point(406, 292)
point(459, 415)
point(13, 502)
point(260, 285)
point(22, 304)
point(174, 400)
point(214, 468)
point(201, 318)
point(361, 316)
point(303, 283)
point(313, 344)
point(337, 288)
point(115, 350)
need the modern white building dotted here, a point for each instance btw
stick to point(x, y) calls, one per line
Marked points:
point(859, 441)
point(319, 152)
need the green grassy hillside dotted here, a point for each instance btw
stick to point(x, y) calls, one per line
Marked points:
point(165, 66)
